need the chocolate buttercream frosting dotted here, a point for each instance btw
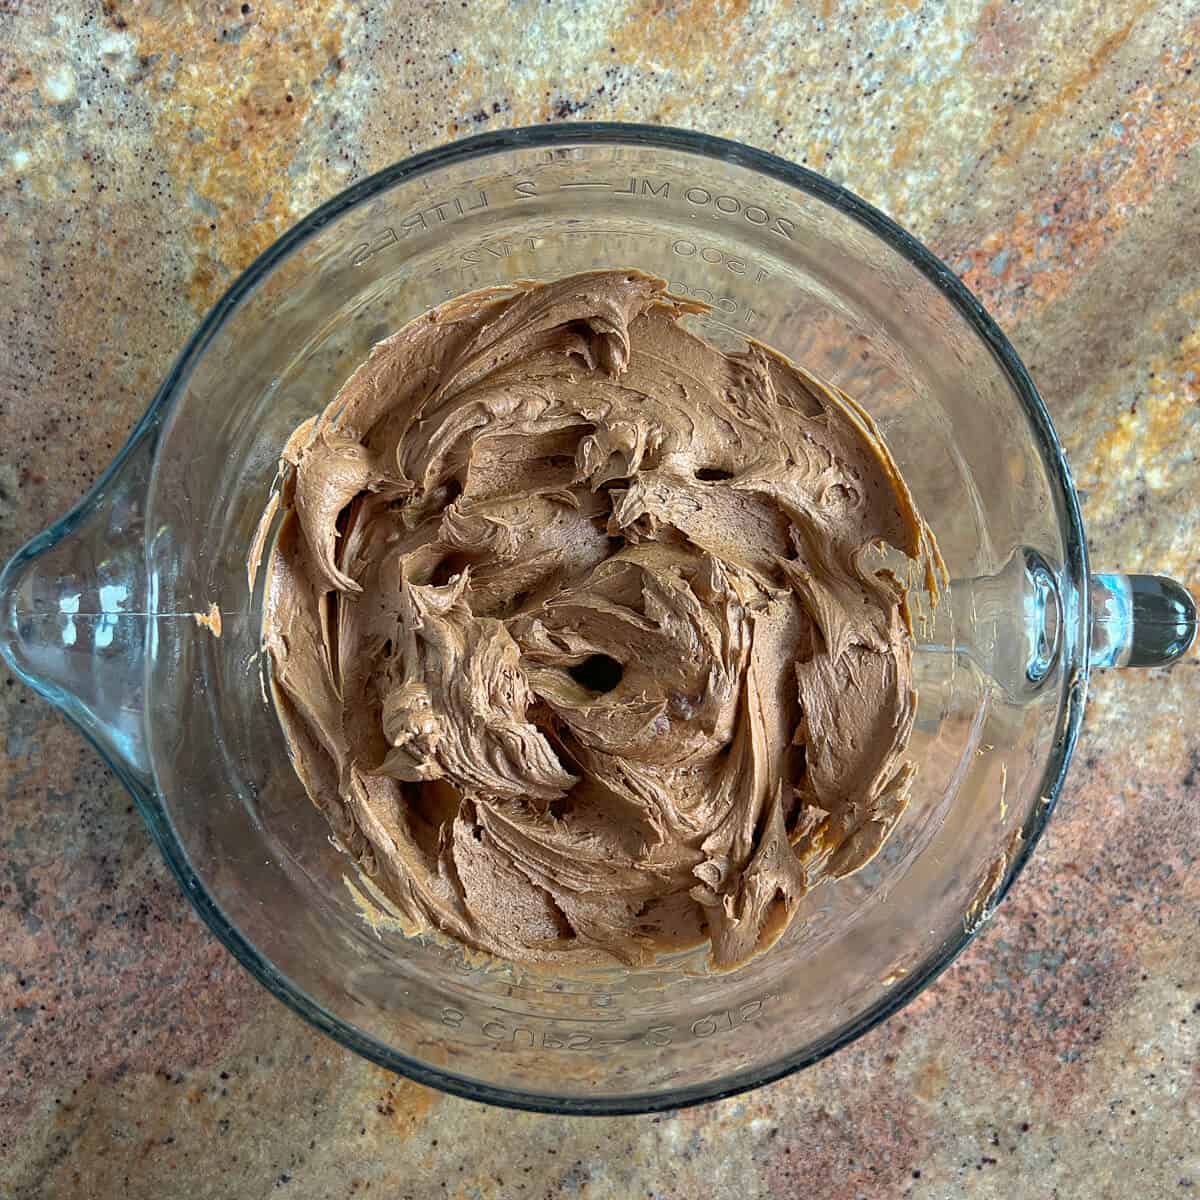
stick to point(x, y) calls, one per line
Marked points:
point(580, 629)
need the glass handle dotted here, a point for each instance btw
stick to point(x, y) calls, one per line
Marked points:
point(74, 611)
point(1008, 626)
point(1140, 621)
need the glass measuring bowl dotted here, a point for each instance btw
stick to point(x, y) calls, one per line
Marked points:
point(112, 613)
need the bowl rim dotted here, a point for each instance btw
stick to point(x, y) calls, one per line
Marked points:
point(1075, 568)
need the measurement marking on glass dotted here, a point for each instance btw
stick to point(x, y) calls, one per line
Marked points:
point(516, 1012)
point(695, 198)
point(543, 1036)
point(722, 325)
point(452, 209)
point(716, 257)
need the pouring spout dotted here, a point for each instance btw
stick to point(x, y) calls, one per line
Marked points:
point(74, 614)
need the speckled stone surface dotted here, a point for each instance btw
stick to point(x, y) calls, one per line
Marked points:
point(1047, 152)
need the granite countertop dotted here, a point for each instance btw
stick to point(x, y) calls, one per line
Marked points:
point(1047, 152)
